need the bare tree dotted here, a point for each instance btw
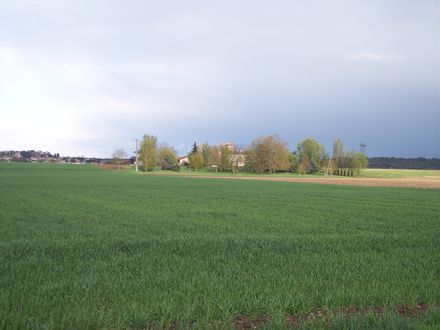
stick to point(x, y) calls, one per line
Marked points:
point(338, 153)
point(214, 157)
point(250, 159)
point(269, 154)
point(225, 163)
point(205, 150)
point(118, 156)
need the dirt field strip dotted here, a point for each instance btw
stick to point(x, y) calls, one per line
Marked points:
point(426, 183)
point(407, 311)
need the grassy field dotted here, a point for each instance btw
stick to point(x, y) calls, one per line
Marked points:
point(400, 174)
point(83, 248)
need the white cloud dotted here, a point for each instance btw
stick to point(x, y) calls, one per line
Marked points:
point(79, 100)
point(12, 63)
point(377, 57)
point(8, 55)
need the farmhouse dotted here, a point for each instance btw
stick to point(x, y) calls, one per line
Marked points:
point(184, 160)
point(237, 157)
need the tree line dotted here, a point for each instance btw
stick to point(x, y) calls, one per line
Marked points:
point(419, 163)
point(266, 154)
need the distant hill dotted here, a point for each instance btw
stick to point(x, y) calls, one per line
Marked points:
point(404, 163)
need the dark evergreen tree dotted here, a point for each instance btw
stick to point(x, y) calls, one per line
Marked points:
point(194, 149)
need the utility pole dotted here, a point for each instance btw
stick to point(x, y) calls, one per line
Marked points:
point(363, 147)
point(137, 155)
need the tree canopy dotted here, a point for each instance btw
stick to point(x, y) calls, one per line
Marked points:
point(311, 155)
point(148, 152)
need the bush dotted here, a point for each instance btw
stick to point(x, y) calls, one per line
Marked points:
point(170, 167)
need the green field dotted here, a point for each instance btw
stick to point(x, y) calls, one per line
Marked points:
point(83, 248)
point(400, 174)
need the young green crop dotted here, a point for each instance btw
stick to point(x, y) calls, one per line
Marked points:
point(88, 248)
point(400, 174)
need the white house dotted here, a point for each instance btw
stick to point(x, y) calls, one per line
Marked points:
point(237, 157)
point(184, 160)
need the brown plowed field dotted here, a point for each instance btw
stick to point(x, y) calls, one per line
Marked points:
point(429, 183)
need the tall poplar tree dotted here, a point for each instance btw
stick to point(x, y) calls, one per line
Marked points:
point(148, 152)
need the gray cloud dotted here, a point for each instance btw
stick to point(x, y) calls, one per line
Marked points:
point(86, 77)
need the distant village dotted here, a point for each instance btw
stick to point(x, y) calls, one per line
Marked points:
point(38, 156)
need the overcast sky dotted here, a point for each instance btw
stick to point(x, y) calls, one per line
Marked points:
point(85, 77)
